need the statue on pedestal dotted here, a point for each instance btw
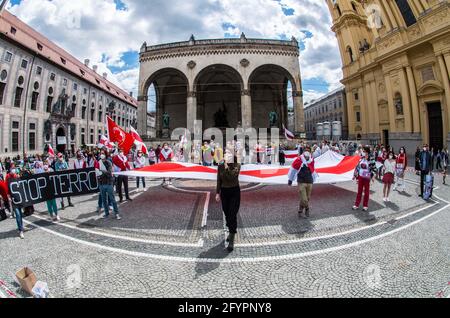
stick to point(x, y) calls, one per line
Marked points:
point(273, 119)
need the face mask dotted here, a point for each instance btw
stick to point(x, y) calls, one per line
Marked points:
point(45, 167)
point(166, 147)
point(102, 157)
point(139, 155)
point(424, 149)
point(391, 157)
point(402, 151)
point(307, 155)
point(13, 171)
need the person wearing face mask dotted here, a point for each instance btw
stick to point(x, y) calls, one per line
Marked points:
point(106, 182)
point(425, 164)
point(364, 175)
point(228, 192)
point(139, 162)
point(303, 169)
point(388, 176)
point(51, 204)
point(12, 175)
point(166, 155)
point(400, 168)
point(80, 162)
point(61, 165)
point(120, 165)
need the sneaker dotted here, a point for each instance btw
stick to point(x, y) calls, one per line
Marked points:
point(21, 235)
point(129, 199)
point(365, 209)
point(71, 205)
point(355, 208)
point(118, 217)
point(105, 216)
point(307, 213)
point(387, 200)
point(58, 218)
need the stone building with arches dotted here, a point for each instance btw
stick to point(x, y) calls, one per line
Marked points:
point(396, 66)
point(47, 96)
point(226, 83)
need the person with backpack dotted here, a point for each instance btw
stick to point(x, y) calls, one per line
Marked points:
point(364, 175)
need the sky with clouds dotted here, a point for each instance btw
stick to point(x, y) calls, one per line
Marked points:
point(110, 32)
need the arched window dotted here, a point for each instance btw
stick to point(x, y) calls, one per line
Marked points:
point(338, 9)
point(350, 54)
point(354, 7)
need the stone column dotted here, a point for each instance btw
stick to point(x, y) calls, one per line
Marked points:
point(351, 115)
point(376, 115)
point(406, 99)
point(363, 106)
point(191, 115)
point(246, 106)
point(369, 106)
point(53, 138)
point(299, 112)
point(414, 101)
point(446, 80)
point(142, 115)
point(390, 97)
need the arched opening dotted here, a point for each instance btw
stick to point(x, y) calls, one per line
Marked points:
point(271, 88)
point(167, 100)
point(338, 10)
point(218, 89)
point(350, 54)
point(61, 140)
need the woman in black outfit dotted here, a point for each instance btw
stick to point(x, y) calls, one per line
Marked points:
point(229, 193)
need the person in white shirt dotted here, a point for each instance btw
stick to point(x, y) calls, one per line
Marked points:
point(139, 162)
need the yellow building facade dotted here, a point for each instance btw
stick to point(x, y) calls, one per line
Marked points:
point(396, 66)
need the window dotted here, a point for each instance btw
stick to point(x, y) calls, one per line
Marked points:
point(8, 57)
point(85, 91)
point(38, 70)
point(75, 86)
point(24, 64)
point(18, 97)
point(82, 73)
point(32, 137)
point(48, 109)
point(13, 30)
point(15, 136)
point(40, 47)
point(52, 76)
point(63, 61)
point(406, 12)
point(34, 100)
point(2, 92)
point(83, 138)
point(83, 112)
point(354, 7)
point(358, 116)
point(65, 82)
point(356, 96)
point(92, 136)
point(350, 54)
point(92, 114)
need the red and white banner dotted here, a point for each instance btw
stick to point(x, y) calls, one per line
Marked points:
point(140, 145)
point(290, 155)
point(50, 151)
point(331, 167)
point(104, 142)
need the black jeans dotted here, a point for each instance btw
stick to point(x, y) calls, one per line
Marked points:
point(231, 202)
point(122, 180)
point(140, 179)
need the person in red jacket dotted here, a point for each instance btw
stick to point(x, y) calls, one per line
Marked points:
point(121, 164)
point(400, 168)
point(4, 193)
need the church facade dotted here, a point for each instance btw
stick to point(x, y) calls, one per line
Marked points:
point(396, 66)
point(225, 83)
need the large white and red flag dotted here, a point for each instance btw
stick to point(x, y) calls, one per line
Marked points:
point(330, 167)
point(289, 135)
point(124, 140)
point(105, 143)
point(290, 155)
point(140, 145)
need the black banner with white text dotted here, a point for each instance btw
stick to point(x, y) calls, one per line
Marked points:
point(47, 186)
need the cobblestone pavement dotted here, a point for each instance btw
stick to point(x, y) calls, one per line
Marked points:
point(170, 243)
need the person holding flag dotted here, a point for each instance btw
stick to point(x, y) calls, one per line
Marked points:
point(303, 169)
point(121, 164)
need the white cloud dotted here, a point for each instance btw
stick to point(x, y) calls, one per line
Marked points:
point(98, 31)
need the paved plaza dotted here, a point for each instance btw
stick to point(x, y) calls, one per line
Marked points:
point(170, 243)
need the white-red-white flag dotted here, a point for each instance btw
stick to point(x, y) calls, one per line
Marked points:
point(104, 142)
point(50, 151)
point(140, 145)
point(289, 135)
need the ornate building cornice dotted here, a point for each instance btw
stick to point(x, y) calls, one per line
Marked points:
point(219, 47)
